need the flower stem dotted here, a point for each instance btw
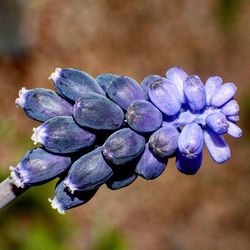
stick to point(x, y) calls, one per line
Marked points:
point(9, 192)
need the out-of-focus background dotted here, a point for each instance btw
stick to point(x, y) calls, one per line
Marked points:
point(136, 38)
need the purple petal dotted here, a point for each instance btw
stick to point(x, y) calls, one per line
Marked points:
point(188, 166)
point(177, 76)
point(211, 85)
point(223, 94)
point(234, 130)
point(195, 93)
point(217, 146)
point(217, 122)
point(231, 108)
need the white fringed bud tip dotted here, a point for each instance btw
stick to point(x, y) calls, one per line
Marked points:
point(69, 186)
point(39, 135)
point(55, 75)
point(16, 177)
point(56, 205)
point(20, 102)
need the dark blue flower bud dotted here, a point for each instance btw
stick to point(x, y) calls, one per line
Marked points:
point(124, 90)
point(233, 118)
point(104, 79)
point(190, 140)
point(42, 104)
point(150, 166)
point(195, 93)
point(143, 116)
point(121, 178)
point(148, 80)
point(62, 135)
point(164, 141)
point(123, 146)
point(223, 94)
point(217, 146)
point(217, 122)
point(231, 108)
point(97, 112)
point(211, 85)
point(234, 130)
point(177, 76)
point(73, 83)
point(188, 166)
point(88, 173)
point(38, 166)
point(165, 96)
point(64, 200)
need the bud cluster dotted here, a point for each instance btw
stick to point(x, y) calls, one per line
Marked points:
point(111, 129)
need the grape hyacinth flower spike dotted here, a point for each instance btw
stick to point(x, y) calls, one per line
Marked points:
point(111, 130)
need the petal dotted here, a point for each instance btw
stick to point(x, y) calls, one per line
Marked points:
point(148, 80)
point(217, 122)
point(211, 85)
point(234, 130)
point(231, 108)
point(223, 94)
point(177, 76)
point(217, 146)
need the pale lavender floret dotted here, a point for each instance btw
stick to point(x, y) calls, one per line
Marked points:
point(223, 94)
point(165, 96)
point(63, 200)
point(211, 85)
point(233, 118)
point(150, 166)
point(195, 93)
point(190, 141)
point(62, 135)
point(217, 122)
point(147, 81)
point(217, 146)
point(38, 166)
point(164, 141)
point(88, 173)
point(188, 166)
point(231, 108)
point(234, 130)
point(177, 76)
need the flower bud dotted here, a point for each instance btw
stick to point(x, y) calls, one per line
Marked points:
point(165, 96)
point(177, 76)
point(234, 130)
point(233, 118)
point(217, 146)
point(62, 135)
point(148, 80)
point(231, 108)
point(42, 104)
point(143, 116)
point(190, 140)
point(217, 122)
point(97, 112)
point(73, 83)
point(104, 79)
point(211, 85)
point(195, 93)
point(38, 166)
point(124, 90)
point(150, 166)
point(123, 146)
point(223, 94)
point(63, 200)
point(88, 173)
point(188, 166)
point(164, 141)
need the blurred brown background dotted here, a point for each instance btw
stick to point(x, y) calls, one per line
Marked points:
point(136, 38)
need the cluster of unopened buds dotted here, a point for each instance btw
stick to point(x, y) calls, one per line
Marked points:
point(111, 129)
